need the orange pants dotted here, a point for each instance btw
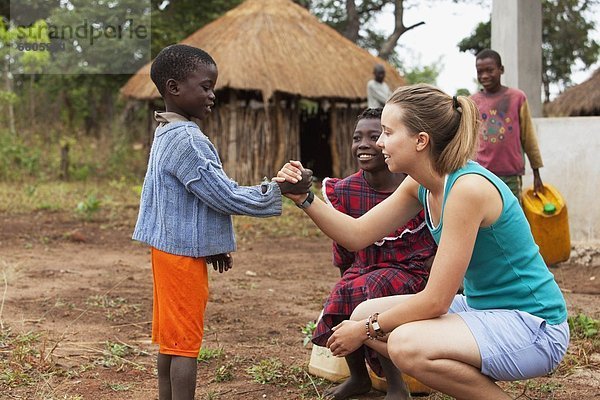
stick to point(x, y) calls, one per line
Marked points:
point(180, 297)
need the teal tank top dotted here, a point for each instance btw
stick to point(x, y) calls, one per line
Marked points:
point(506, 270)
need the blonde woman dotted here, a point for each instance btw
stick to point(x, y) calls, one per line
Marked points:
point(510, 324)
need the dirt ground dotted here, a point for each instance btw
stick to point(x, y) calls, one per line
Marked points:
point(83, 291)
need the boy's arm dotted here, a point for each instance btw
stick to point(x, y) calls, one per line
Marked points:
point(530, 145)
point(195, 163)
point(202, 174)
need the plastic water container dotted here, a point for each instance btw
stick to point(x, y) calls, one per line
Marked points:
point(549, 221)
point(327, 366)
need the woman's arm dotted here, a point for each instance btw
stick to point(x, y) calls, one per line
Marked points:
point(357, 233)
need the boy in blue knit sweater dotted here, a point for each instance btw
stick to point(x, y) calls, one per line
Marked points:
point(185, 213)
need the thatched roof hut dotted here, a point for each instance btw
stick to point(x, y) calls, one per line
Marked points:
point(578, 101)
point(271, 55)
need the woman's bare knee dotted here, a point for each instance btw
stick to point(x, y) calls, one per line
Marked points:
point(403, 348)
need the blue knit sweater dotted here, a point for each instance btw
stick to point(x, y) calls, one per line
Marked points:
point(187, 199)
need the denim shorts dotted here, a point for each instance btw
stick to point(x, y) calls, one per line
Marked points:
point(513, 344)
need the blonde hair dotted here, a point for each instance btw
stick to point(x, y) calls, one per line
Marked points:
point(451, 122)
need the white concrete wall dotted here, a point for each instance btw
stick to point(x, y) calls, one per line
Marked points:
point(570, 149)
point(512, 22)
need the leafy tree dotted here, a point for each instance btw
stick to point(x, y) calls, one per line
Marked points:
point(174, 20)
point(480, 39)
point(565, 40)
point(422, 74)
point(16, 49)
point(354, 20)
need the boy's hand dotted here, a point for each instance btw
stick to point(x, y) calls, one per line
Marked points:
point(220, 262)
point(538, 185)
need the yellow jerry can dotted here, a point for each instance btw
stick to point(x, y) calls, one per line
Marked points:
point(549, 221)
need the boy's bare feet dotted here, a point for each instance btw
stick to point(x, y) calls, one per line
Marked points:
point(352, 386)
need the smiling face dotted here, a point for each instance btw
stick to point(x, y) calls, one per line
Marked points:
point(194, 96)
point(489, 74)
point(364, 145)
point(396, 142)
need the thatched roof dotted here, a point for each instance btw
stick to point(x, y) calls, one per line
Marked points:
point(278, 46)
point(579, 100)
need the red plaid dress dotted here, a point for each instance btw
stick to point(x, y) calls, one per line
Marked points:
point(391, 266)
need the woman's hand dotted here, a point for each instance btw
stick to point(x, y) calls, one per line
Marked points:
point(291, 172)
point(347, 337)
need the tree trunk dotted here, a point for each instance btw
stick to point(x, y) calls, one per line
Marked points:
point(546, 86)
point(31, 97)
point(352, 21)
point(64, 161)
point(387, 48)
point(10, 106)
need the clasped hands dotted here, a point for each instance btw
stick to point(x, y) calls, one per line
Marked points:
point(294, 180)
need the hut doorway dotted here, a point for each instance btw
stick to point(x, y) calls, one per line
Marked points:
point(315, 150)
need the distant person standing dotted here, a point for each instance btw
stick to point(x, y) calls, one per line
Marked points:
point(377, 90)
point(506, 132)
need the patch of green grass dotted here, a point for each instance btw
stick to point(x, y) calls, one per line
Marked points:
point(115, 308)
point(584, 346)
point(212, 395)
point(307, 331)
point(116, 355)
point(583, 326)
point(269, 370)
point(23, 359)
point(224, 373)
point(207, 354)
point(88, 207)
point(119, 387)
point(272, 371)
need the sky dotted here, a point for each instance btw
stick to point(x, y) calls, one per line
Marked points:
point(446, 24)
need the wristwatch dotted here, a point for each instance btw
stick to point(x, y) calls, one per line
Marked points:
point(307, 202)
point(376, 328)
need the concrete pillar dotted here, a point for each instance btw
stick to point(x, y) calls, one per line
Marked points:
point(517, 36)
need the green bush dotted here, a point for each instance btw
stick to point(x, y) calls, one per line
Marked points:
point(17, 159)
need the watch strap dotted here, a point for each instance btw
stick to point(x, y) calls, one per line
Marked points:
point(307, 202)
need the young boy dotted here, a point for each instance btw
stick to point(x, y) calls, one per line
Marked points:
point(185, 213)
point(507, 129)
point(397, 264)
